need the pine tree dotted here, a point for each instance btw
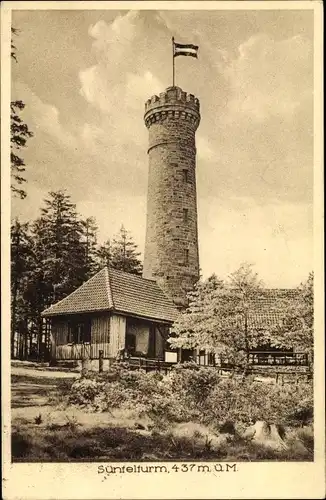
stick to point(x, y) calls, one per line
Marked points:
point(89, 240)
point(59, 265)
point(59, 246)
point(19, 133)
point(104, 254)
point(121, 253)
point(124, 253)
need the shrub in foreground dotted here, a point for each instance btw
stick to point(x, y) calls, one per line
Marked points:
point(194, 393)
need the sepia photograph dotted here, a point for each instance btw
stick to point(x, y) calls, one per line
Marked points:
point(162, 238)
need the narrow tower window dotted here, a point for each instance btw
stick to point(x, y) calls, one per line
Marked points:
point(186, 257)
point(185, 215)
point(185, 175)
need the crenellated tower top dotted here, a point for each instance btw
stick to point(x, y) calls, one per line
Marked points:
point(173, 103)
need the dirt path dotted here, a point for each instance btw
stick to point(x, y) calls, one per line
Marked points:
point(24, 371)
point(31, 387)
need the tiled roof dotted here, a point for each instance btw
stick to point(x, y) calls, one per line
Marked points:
point(117, 291)
point(135, 295)
point(270, 308)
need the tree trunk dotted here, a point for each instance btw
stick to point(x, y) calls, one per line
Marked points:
point(39, 337)
point(246, 341)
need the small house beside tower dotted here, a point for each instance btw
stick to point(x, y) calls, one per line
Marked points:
point(113, 312)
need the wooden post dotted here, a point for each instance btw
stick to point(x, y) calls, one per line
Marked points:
point(100, 361)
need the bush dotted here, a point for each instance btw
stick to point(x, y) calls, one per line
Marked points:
point(190, 392)
point(83, 391)
point(195, 384)
point(249, 401)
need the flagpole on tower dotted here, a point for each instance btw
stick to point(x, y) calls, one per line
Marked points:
point(173, 66)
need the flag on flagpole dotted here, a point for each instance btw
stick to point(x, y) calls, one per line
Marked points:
point(180, 49)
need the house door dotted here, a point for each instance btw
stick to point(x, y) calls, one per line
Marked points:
point(81, 338)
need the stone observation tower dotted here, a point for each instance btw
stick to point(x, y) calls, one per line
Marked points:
point(171, 247)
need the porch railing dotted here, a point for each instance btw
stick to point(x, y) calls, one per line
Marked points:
point(278, 358)
point(149, 364)
point(257, 358)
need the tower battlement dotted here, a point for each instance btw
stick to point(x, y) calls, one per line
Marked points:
point(173, 103)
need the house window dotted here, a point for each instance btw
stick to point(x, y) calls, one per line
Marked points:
point(185, 175)
point(79, 332)
point(185, 215)
point(186, 256)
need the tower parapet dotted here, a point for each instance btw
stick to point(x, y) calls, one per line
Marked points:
point(173, 103)
point(171, 247)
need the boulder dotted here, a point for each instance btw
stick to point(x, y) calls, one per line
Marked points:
point(266, 434)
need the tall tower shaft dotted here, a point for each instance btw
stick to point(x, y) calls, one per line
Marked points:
point(171, 247)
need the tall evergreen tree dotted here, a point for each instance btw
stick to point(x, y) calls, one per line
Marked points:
point(19, 133)
point(59, 247)
point(89, 240)
point(59, 265)
point(104, 254)
point(125, 255)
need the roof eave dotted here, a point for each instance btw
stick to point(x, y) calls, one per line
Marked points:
point(140, 316)
point(111, 310)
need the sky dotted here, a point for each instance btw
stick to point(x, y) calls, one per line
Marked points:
point(84, 77)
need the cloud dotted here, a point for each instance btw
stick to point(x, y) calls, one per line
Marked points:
point(56, 156)
point(42, 116)
point(115, 36)
point(120, 82)
point(270, 78)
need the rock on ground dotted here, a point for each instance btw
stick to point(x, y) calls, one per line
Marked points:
point(266, 434)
